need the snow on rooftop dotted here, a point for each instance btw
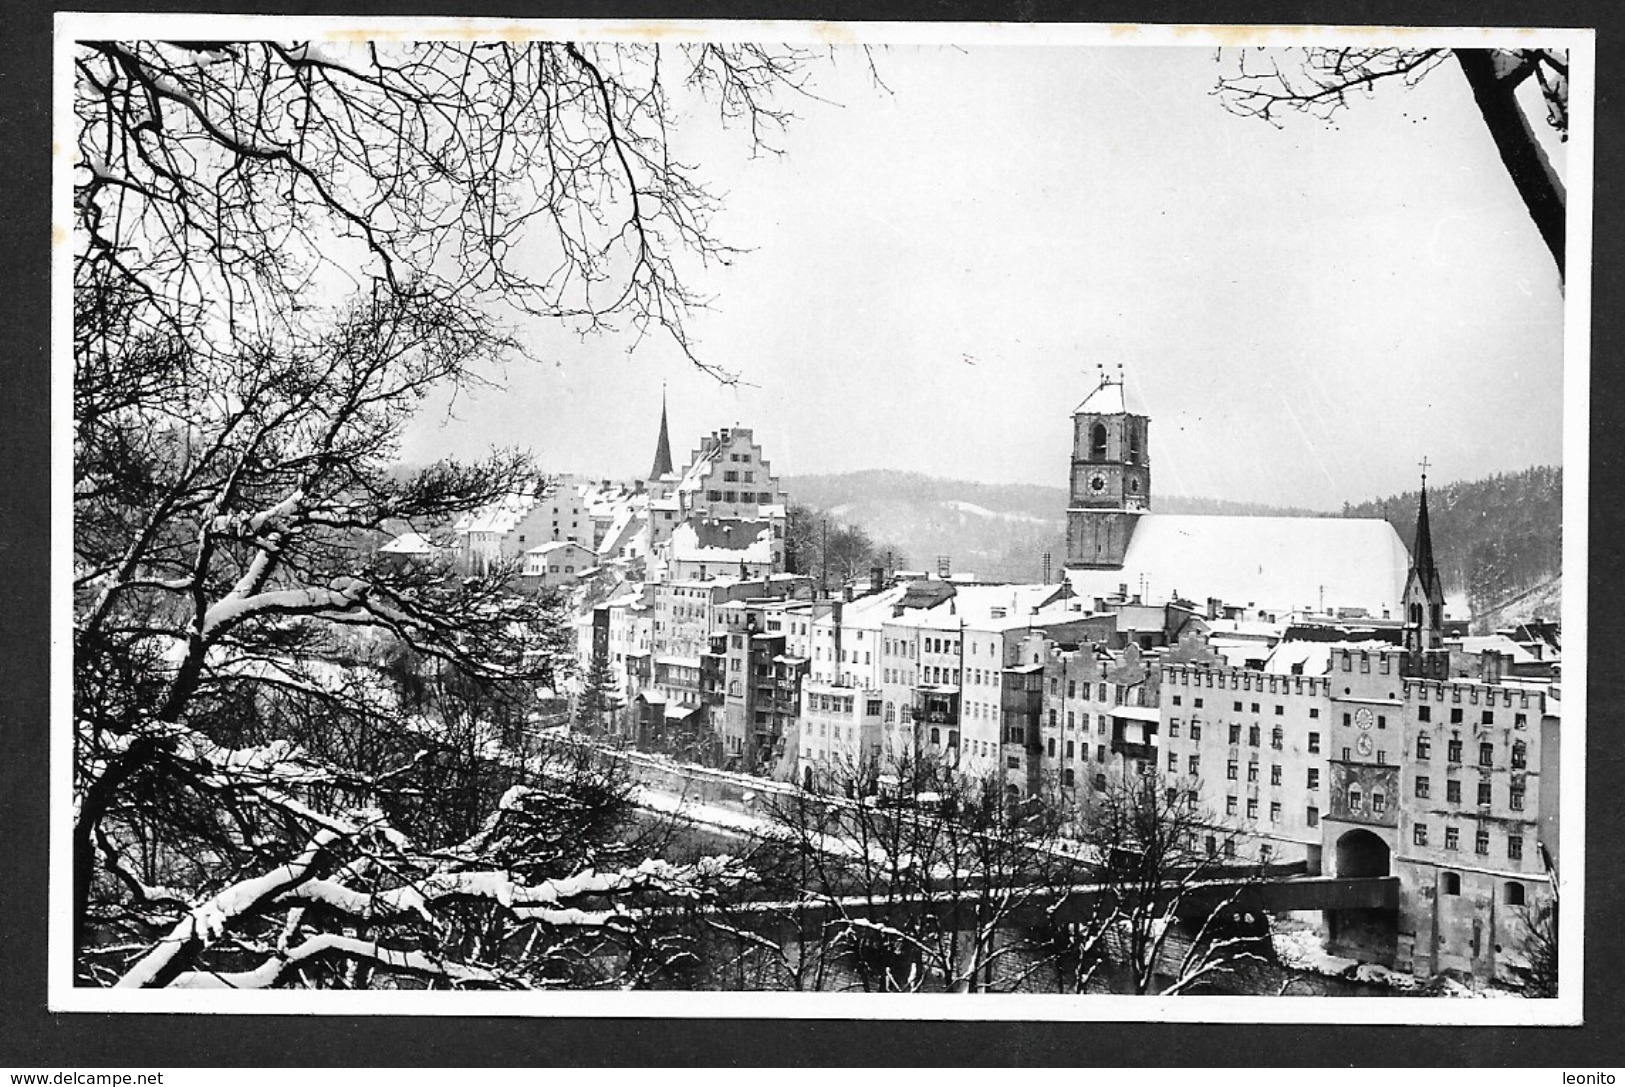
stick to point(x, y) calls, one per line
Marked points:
point(408, 543)
point(1276, 562)
point(1107, 399)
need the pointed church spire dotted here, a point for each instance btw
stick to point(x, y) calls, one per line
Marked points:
point(1427, 573)
point(662, 465)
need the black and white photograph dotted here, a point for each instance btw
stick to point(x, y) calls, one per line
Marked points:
point(719, 519)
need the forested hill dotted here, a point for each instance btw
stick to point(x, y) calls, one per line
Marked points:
point(1493, 537)
point(998, 531)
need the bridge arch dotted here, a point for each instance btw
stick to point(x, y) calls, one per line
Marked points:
point(1360, 854)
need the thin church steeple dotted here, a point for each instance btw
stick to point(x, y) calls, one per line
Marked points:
point(662, 465)
point(1427, 572)
point(1425, 654)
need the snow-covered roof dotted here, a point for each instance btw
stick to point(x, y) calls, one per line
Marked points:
point(1107, 399)
point(1309, 658)
point(1276, 562)
point(1237, 652)
point(501, 515)
point(1501, 644)
point(408, 543)
point(554, 545)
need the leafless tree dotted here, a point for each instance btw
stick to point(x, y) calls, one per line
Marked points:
point(279, 252)
point(1165, 894)
point(1539, 922)
point(951, 886)
point(1270, 83)
point(230, 189)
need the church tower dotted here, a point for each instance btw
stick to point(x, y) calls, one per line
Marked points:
point(1423, 601)
point(662, 465)
point(1111, 477)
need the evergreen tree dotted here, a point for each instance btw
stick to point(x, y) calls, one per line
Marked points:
point(600, 699)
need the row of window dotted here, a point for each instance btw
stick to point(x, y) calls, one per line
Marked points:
point(1233, 770)
point(762, 498)
point(1481, 842)
point(1519, 720)
point(1252, 809)
point(1486, 795)
point(1486, 752)
point(732, 476)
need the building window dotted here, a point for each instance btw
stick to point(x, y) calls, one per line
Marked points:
point(1275, 811)
point(1486, 754)
point(1236, 706)
point(1355, 797)
point(1312, 817)
point(1255, 707)
point(1173, 728)
point(1252, 736)
point(1489, 716)
point(1520, 720)
point(1100, 752)
point(1452, 792)
point(1068, 778)
point(1235, 735)
point(1453, 750)
point(1452, 837)
point(1348, 753)
point(1484, 797)
point(1230, 805)
point(1100, 782)
point(1229, 847)
point(1314, 743)
point(1193, 764)
point(1419, 834)
point(1230, 770)
point(1173, 762)
point(1424, 747)
point(1451, 883)
point(1314, 778)
point(1455, 715)
point(1252, 772)
point(1515, 847)
point(1424, 713)
point(1013, 761)
point(1379, 800)
point(1348, 719)
point(1520, 755)
point(1517, 798)
point(1275, 773)
point(1314, 712)
point(1423, 788)
point(1196, 730)
point(1514, 894)
point(1277, 738)
point(1212, 845)
point(1481, 842)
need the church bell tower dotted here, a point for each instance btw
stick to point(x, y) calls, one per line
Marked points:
point(1111, 477)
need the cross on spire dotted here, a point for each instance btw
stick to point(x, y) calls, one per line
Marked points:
point(1423, 464)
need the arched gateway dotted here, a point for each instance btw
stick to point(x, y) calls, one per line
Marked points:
point(1361, 853)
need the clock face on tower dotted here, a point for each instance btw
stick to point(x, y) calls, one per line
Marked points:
point(1363, 745)
point(1097, 483)
point(1363, 717)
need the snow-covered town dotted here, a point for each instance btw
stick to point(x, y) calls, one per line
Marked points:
point(1339, 724)
point(519, 522)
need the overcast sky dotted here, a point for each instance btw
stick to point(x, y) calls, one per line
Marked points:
point(937, 271)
